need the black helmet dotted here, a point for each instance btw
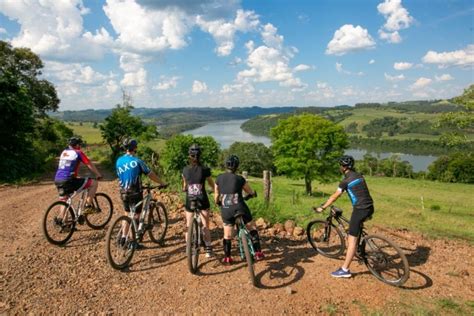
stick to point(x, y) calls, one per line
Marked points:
point(129, 144)
point(347, 161)
point(75, 141)
point(232, 162)
point(194, 150)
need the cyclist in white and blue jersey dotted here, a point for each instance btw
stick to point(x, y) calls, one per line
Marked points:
point(363, 207)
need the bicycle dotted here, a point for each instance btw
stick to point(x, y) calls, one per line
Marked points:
point(61, 217)
point(195, 235)
point(125, 233)
point(384, 259)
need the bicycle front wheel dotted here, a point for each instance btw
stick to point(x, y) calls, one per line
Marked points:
point(157, 222)
point(104, 209)
point(120, 243)
point(325, 238)
point(246, 245)
point(192, 246)
point(385, 260)
point(59, 223)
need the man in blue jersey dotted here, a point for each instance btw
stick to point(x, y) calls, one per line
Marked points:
point(66, 178)
point(363, 207)
point(129, 169)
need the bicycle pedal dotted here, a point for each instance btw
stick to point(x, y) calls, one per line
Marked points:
point(81, 219)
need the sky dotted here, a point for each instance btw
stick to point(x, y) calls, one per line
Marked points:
point(230, 53)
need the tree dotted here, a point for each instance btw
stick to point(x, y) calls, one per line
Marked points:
point(459, 122)
point(456, 167)
point(307, 146)
point(24, 99)
point(254, 157)
point(119, 125)
point(175, 154)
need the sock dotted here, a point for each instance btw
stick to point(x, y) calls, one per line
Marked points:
point(227, 246)
point(255, 240)
point(344, 269)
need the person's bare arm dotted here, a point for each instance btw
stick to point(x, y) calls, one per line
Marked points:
point(92, 168)
point(210, 182)
point(248, 189)
point(184, 183)
point(216, 194)
point(331, 200)
point(155, 178)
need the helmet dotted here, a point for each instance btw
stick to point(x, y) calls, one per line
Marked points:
point(232, 162)
point(194, 150)
point(75, 141)
point(129, 144)
point(347, 161)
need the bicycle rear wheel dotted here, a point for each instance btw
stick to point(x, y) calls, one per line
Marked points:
point(192, 246)
point(59, 223)
point(325, 238)
point(385, 260)
point(103, 205)
point(157, 222)
point(246, 245)
point(120, 244)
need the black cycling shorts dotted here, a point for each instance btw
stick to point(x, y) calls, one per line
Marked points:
point(68, 187)
point(357, 218)
point(130, 199)
point(228, 214)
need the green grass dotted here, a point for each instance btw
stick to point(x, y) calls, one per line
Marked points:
point(365, 115)
point(87, 131)
point(399, 203)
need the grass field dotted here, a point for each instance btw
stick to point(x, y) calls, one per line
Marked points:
point(87, 131)
point(432, 208)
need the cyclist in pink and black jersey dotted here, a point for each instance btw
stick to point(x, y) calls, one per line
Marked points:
point(66, 179)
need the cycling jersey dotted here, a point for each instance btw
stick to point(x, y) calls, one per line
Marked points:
point(195, 177)
point(129, 168)
point(356, 187)
point(69, 162)
point(230, 191)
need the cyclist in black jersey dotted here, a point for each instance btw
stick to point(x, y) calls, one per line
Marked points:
point(194, 177)
point(363, 207)
point(228, 194)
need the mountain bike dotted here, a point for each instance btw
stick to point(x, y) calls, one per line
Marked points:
point(384, 259)
point(125, 234)
point(195, 235)
point(61, 217)
point(247, 252)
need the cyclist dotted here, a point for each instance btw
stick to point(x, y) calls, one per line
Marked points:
point(362, 204)
point(66, 179)
point(129, 169)
point(228, 194)
point(194, 178)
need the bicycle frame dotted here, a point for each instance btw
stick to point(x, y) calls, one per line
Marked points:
point(133, 209)
point(242, 229)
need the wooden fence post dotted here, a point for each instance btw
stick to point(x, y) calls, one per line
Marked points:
point(267, 185)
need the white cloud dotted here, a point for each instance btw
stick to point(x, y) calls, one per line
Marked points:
point(135, 78)
point(461, 58)
point(199, 86)
point(167, 83)
point(301, 67)
point(74, 73)
point(270, 36)
point(3, 31)
point(349, 38)
point(54, 29)
point(396, 18)
point(339, 67)
point(372, 61)
point(402, 66)
point(420, 83)
point(394, 78)
point(444, 77)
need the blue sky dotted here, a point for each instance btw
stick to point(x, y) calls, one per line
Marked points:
point(173, 53)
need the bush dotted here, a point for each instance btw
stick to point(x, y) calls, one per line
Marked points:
point(456, 167)
point(254, 157)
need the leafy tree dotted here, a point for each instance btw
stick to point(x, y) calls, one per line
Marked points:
point(352, 128)
point(175, 154)
point(120, 124)
point(307, 146)
point(459, 122)
point(24, 99)
point(456, 167)
point(254, 157)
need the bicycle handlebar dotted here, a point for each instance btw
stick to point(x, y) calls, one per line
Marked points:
point(159, 187)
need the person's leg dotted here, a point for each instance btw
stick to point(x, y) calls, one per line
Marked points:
point(351, 250)
point(189, 218)
point(205, 227)
point(255, 240)
point(92, 190)
point(227, 242)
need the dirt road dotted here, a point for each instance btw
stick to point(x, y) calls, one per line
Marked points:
point(38, 277)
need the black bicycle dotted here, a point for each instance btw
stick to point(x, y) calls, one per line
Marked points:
point(61, 217)
point(195, 235)
point(384, 259)
point(125, 234)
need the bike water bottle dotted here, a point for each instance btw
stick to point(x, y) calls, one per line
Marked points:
point(140, 226)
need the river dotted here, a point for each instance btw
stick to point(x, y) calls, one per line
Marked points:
point(228, 132)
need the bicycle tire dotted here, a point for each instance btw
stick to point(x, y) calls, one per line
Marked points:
point(248, 256)
point(157, 222)
point(103, 203)
point(64, 226)
point(384, 258)
point(331, 246)
point(120, 254)
point(192, 246)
